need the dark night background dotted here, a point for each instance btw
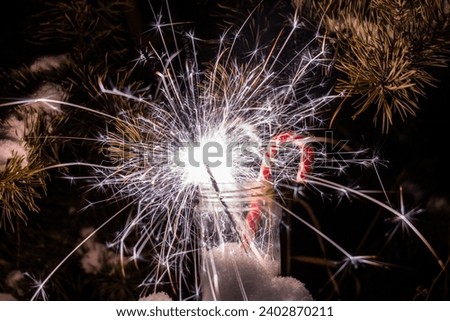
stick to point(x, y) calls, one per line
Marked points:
point(416, 155)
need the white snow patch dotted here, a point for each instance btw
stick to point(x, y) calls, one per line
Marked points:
point(438, 203)
point(47, 63)
point(11, 141)
point(158, 296)
point(14, 128)
point(48, 91)
point(12, 281)
point(96, 256)
point(231, 273)
point(7, 297)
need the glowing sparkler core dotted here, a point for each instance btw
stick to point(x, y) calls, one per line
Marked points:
point(212, 154)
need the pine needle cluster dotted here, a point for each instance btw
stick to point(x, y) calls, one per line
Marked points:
point(86, 32)
point(23, 178)
point(88, 29)
point(386, 51)
point(385, 54)
point(19, 190)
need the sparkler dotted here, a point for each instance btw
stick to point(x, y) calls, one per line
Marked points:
point(186, 154)
point(231, 110)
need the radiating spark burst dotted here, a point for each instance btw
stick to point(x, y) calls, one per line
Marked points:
point(187, 157)
point(191, 161)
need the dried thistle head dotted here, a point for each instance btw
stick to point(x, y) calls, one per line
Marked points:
point(384, 49)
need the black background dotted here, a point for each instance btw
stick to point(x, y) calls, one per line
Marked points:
point(416, 154)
